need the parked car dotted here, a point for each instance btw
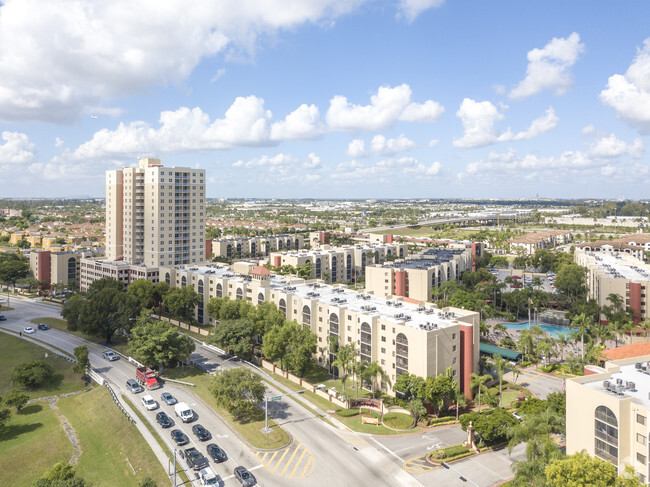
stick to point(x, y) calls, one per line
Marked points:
point(217, 454)
point(180, 438)
point(149, 402)
point(29, 330)
point(184, 412)
point(209, 478)
point(194, 458)
point(163, 420)
point(3, 318)
point(43, 326)
point(133, 386)
point(245, 478)
point(168, 399)
point(110, 355)
point(201, 433)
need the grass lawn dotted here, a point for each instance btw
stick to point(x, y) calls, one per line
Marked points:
point(250, 429)
point(5, 308)
point(109, 442)
point(508, 397)
point(14, 351)
point(32, 442)
point(117, 343)
point(355, 423)
point(398, 420)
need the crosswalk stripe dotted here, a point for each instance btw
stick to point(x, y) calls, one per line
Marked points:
point(307, 464)
point(290, 459)
point(298, 463)
point(271, 459)
point(280, 461)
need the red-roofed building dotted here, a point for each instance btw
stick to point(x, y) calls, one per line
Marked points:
point(627, 351)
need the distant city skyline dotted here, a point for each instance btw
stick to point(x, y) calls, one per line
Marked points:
point(332, 99)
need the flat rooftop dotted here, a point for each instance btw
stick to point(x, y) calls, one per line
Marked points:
point(398, 312)
point(621, 266)
point(629, 375)
point(430, 258)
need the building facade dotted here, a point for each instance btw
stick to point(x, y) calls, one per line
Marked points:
point(400, 336)
point(56, 268)
point(92, 270)
point(530, 242)
point(255, 246)
point(155, 215)
point(608, 414)
point(416, 278)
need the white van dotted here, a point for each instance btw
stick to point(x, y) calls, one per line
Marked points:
point(184, 412)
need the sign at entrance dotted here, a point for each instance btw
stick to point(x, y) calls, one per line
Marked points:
point(276, 398)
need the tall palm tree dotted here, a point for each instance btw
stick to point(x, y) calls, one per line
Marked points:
point(645, 326)
point(546, 347)
point(345, 357)
point(372, 372)
point(526, 343)
point(582, 322)
point(501, 367)
point(500, 328)
point(479, 381)
point(562, 340)
point(358, 369)
point(619, 328)
point(460, 400)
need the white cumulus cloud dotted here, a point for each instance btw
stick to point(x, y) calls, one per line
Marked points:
point(16, 149)
point(303, 123)
point(357, 148)
point(410, 9)
point(382, 146)
point(611, 146)
point(629, 94)
point(549, 68)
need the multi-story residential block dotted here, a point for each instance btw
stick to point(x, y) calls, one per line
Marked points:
point(608, 414)
point(340, 264)
point(415, 278)
point(94, 269)
point(256, 246)
point(155, 215)
point(400, 336)
point(620, 274)
point(636, 245)
point(56, 267)
point(530, 242)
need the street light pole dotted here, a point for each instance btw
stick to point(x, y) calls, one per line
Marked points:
point(221, 365)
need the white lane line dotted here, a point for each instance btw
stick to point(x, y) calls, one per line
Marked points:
point(389, 450)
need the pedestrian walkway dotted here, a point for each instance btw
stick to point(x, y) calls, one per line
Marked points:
point(295, 461)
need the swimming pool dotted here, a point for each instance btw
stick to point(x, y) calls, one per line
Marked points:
point(554, 330)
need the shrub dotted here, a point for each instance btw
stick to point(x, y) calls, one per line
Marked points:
point(439, 454)
point(32, 374)
point(525, 364)
point(398, 420)
point(347, 413)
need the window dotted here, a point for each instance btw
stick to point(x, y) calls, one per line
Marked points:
point(640, 439)
point(606, 434)
point(383, 339)
point(640, 419)
point(640, 458)
point(453, 348)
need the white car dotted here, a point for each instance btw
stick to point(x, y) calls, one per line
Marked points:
point(209, 478)
point(110, 355)
point(149, 402)
point(29, 330)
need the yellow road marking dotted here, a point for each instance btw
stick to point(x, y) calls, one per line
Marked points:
point(271, 459)
point(304, 450)
point(533, 377)
point(417, 465)
point(290, 459)
point(263, 457)
point(306, 465)
point(280, 461)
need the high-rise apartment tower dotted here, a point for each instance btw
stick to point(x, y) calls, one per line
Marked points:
point(155, 215)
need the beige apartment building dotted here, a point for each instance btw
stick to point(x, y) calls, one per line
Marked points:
point(530, 242)
point(340, 264)
point(256, 246)
point(92, 270)
point(56, 268)
point(155, 215)
point(400, 336)
point(636, 244)
point(415, 278)
point(608, 413)
point(617, 273)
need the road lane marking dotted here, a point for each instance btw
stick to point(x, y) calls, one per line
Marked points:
point(290, 459)
point(280, 461)
point(304, 450)
point(418, 465)
point(309, 462)
point(271, 460)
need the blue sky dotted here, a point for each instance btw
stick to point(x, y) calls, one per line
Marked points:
point(331, 98)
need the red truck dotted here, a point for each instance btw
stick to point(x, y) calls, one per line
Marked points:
point(147, 378)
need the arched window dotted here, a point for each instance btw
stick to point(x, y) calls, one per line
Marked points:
point(306, 315)
point(364, 258)
point(239, 249)
point(200, 287)
point(72, 268)
point(433, 278)
point(388, 252)
point(318, 268)
point(267, 246)
point(239, 294)
point(280, 244)
point(297, 244)
point(606, 434)
point(401, 354)
point(334, 324)
point(334, 268)
point(349, 267)
point(366, 342)
point(260, 298)
point(334, 342)
point(219, 291)
point(229, 250)
point(253, 249)
point(168, 278)
point(283, 307)
point(401, 253)
point(183, 281)
point(288, 244)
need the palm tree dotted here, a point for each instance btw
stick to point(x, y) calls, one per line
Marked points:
point(562, 340)
point(374, 370)
point(501, 367)
point(546, 347)
point(500, 328)
point(358, 369)
point(460, 400)
point(345, 357)
point(582, 322)
point(619, 328)
point(645, 326)
point(479, 381)
point(526, 343)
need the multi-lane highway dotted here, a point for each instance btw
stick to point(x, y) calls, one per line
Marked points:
point(319, 455)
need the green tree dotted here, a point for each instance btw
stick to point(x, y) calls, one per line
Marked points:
point(106, 310)
point(345, 357)
point(238, 391)
point(32, 374)
point(234, 336)
point(570, 279)
point(159, 344)
point(12, 268)
point(409, 385)
point(181, 302)
point(582, 469)
point(62, 474)
point(275, 344)
point(302, 347)
point(582, 323)
point(16, 399)
point(491, 426)
point(478, 382)
point(373, 372)
point(142, 292)
point(147, 482)
point(23, 244)
point(83, 362)
point(417, 409)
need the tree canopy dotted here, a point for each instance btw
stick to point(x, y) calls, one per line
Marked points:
point(159, 344)
point(238, 391)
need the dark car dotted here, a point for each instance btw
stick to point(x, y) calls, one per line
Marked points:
point(163, 420)
point(43, 326)
point(3, 317)
point(180, 438)
point(217, 454)
point(194, 458)
point(245, 478)
point(201, 433)
point(168, 399)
